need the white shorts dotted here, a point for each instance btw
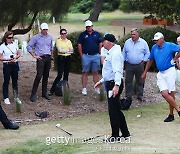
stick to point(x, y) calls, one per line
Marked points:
point(166, 79)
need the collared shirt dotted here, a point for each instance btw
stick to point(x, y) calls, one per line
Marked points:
point(89, 42)
point(9, 49)
point(113, 65)
point(135, 53)
point(104, 52)
point(65, 45)
point(42, 44)
point(163, 55)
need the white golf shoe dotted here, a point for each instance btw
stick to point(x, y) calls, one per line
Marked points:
point(84, 91)
point(7, 101)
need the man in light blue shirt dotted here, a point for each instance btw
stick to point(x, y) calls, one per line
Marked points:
point(41, 48)
point(112, 74)
point(135, 53)
point(162, 53)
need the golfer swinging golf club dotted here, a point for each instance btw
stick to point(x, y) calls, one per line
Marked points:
point(112, 73)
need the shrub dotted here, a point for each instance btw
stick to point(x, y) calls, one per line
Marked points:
point(148, 34)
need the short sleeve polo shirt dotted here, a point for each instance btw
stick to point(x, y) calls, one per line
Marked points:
point(89, 42)
point(163, 55)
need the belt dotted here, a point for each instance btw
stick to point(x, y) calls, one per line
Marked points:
point(10, 63)
point(111, 81)
point(90, 54)
point(45, 56)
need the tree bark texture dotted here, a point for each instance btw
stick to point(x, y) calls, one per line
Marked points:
point(94, 15)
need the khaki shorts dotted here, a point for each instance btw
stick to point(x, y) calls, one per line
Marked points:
point(166, 79)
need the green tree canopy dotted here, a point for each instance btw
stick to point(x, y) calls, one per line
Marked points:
point(15, 12)
point(86, 6)
point(167, 9)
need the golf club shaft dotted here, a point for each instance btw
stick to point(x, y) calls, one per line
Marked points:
point(91, 138)
point(65, 131)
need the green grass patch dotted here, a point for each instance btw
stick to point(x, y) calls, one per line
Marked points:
point(149, 134)
point(104, 18)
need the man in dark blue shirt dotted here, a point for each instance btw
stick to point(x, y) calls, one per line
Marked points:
point(89, 46)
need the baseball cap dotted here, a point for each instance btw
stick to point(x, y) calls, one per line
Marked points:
point(44, 26)
point(88, 23)
point(109, 37)
point(157, 36)
point(178, 39)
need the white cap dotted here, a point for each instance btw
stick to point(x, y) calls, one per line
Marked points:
point(88, 23)
point(157, 36)
point(178, 39)
point(44, 26)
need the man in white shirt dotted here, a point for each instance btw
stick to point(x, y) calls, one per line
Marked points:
point(112, 74)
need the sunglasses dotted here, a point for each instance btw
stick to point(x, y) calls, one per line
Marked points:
point(9, 37)
point(63, 33)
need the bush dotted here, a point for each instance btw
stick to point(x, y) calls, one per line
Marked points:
point(148, 34)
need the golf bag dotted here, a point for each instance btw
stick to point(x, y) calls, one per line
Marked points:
point(125, 104)
point(59, 89)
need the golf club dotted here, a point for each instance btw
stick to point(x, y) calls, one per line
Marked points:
point(91, 138)
point(27, 120)
point(59, 126)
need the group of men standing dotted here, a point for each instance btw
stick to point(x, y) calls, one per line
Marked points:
point(133, 58)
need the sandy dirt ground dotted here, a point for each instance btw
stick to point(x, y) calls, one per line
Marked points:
point(80, 104)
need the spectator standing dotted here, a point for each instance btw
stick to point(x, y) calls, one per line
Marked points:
point(162, 53)
point(41, 48)
point(9, 54)
point(136, 54)
point(89, 46)
point(65, 49)
point(112, 75)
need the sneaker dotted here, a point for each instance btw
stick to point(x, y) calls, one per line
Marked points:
point(169, 118)
point(84, 91)
point(6, 101)
point(97, 90)
point(33, 98)
point(11, 125)
point(46, 97)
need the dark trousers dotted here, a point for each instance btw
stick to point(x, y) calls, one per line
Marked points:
point(117, 118)
point(3, 118)
point(131, 71)
point(43, 67)
point(10, 71)
point(64, 63)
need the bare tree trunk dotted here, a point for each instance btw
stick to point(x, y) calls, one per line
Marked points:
point(94, 15)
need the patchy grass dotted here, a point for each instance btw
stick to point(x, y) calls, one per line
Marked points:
point(149, 134)
point(107, 16)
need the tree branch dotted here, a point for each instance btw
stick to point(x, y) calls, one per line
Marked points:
point(26, 30)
